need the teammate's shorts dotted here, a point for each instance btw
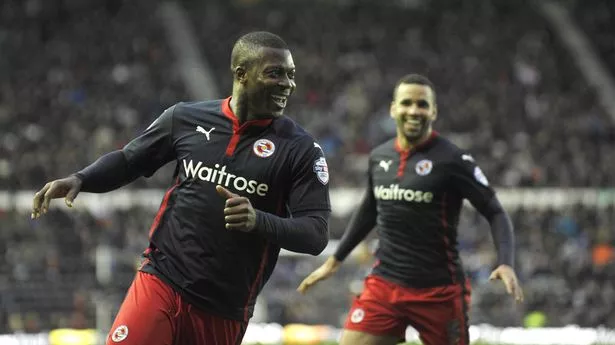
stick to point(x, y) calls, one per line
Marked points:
point(439, 314)
point(154, 314)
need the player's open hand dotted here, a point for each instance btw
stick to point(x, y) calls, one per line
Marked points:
point(507, 275)
point(321, 273)
point(238, 211)
point(66, 188)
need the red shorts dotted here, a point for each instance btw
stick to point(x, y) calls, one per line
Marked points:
point(154, 314)
point(439, 314)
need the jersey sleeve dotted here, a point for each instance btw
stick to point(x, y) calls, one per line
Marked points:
point(362, 222)
point(470, 182)
point(310, 179)
point(154, 147)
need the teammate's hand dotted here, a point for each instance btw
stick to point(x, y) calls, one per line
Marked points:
point(323, 272)
point(507, 275)
point(238, 211)
point(66, 188)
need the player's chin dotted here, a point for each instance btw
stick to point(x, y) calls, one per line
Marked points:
point(276, 110)
point(413, 135)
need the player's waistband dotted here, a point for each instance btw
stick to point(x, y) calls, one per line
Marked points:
point(418, 281)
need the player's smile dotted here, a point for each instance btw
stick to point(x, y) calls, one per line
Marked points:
point(414, 124)
point(279, 101)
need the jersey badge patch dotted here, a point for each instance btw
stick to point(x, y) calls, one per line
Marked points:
point(480, 177)
point(322, 170)
point(357, 315)
point(423, 167)
point(120, 334)
point(264, 148)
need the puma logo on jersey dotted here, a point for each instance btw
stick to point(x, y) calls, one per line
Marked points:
point(385, 165)
point(393, 192)
point(467, 158)
point(202, 130)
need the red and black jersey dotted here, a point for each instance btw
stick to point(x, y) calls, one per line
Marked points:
point(273, 162)
point(414, 199)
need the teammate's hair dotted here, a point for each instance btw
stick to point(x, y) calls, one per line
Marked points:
point(415, 79)
point(245, 48)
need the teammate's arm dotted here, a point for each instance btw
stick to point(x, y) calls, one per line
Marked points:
point(141, 157)
point(362, 222)
point(472, 184)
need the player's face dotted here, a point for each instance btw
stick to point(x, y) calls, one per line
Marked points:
point(271, 81)
point(414, 110)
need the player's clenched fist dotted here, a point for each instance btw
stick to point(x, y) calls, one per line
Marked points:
point(238, 211)
point(323, 272)
point(66, 188)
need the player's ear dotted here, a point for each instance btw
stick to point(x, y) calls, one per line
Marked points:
point(240, 74)
point(392, 109)
point(434, 116)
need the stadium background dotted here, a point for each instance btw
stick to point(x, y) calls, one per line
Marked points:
point(526, 86)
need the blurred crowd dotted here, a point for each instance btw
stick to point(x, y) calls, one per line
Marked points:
point(595, 17)
point(79, 78)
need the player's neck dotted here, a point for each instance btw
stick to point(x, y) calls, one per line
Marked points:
point(407, 145)
point(240, 109)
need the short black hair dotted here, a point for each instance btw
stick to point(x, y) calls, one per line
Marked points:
point(415, 79)
point(246, 46)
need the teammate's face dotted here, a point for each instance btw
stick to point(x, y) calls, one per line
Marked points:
point(271, 80)
point(414, 110)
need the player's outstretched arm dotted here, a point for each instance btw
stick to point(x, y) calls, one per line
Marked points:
point(107, 173)
point(361, 223)
point(141, 157)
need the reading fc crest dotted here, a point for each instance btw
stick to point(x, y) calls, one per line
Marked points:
point(120, 334)
point(423, 167)
point(264, 148)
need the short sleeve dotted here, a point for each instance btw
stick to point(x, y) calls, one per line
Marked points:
point(470, 181)
point(154, 147)
point(310, 179)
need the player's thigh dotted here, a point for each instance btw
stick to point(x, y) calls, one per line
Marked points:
point(146, 315)
point(197, 327)
point(443, 320)
point(352, 337)
point(373, 312)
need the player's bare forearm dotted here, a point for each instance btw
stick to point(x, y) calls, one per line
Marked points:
point(109, 172)
point(305, 233)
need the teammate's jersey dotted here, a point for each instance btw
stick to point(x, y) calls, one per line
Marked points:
point(273, 162)
point(417, 197)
